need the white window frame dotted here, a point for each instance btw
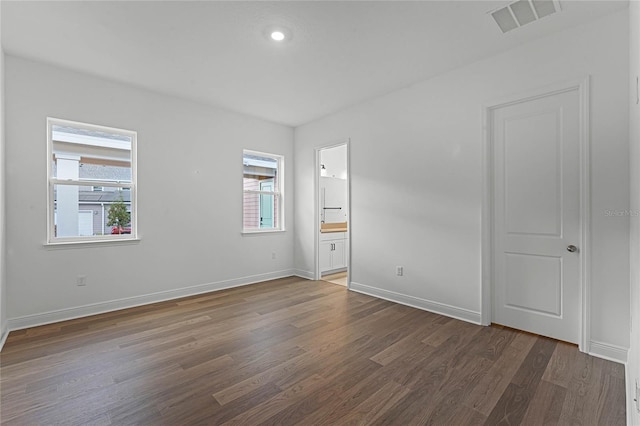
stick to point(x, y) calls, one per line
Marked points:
point(278, 193)
point(52, 181)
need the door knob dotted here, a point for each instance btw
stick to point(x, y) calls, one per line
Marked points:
point(572, 248)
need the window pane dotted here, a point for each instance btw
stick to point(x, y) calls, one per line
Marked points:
point(262, 202)
point(260, 211)
point(259, 168)
point(79, 153)
point(79, 211)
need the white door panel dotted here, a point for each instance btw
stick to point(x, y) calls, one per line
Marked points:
point(536, 146)
point(534, 283)
point(532, 174)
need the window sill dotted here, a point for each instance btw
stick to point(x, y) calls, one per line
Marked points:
point(262, 231)
point(90, 243)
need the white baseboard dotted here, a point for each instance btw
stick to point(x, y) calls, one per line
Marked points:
point(130, 302)
point(304, 274)
point(333, 271)
point(416, 302)
point(4, 333)
point(608, 351)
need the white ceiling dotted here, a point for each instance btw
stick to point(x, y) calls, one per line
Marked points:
point(341, 53)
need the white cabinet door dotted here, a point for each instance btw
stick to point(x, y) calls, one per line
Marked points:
point(333, 251)
point(325, 255)
point(339, 254)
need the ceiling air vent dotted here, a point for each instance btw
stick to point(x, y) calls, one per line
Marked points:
point(522, 12)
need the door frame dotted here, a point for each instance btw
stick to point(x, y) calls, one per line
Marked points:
point(488, 274)
point(316, 202)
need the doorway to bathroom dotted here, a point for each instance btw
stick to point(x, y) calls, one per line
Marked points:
point(332, 212)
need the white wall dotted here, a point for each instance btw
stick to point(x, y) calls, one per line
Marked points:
point(189, 198)
point(334, 184)
point(335, 195)
point(3, 298)
point(335, 161)
point(633, 365)
point(424, 213)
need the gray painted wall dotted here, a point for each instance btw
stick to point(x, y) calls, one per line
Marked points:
point(633, 365)
point(190, 151)
point(3, 297)
point(416, 176)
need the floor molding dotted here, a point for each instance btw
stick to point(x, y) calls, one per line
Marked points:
point(304, 274)
point(4, 333)
point(34, 320)
point(416, 302)
point(608, 351)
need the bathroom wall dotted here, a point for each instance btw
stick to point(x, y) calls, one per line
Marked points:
point(333, 184)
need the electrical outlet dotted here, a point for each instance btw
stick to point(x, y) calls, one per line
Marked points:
point(81, 280)
point(399, 271)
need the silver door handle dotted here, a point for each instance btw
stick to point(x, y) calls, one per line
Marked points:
point(572, 248)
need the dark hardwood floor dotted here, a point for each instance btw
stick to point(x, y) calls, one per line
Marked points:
point(292, 351)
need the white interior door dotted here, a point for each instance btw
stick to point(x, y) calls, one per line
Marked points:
point(536, 148)
point(266, 204)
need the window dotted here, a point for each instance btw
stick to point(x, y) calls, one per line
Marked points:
point(263, 198)
point(92, 178)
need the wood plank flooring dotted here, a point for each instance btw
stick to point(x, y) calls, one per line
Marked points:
point(339, 278)
point(293, 351)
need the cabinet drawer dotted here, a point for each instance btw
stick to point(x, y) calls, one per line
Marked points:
point(329, 236)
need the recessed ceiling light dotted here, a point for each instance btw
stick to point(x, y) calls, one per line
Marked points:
point(277, 35)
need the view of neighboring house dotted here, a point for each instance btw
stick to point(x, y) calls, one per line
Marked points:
point(93, 209)
point(261, 195)
point(101, 160)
